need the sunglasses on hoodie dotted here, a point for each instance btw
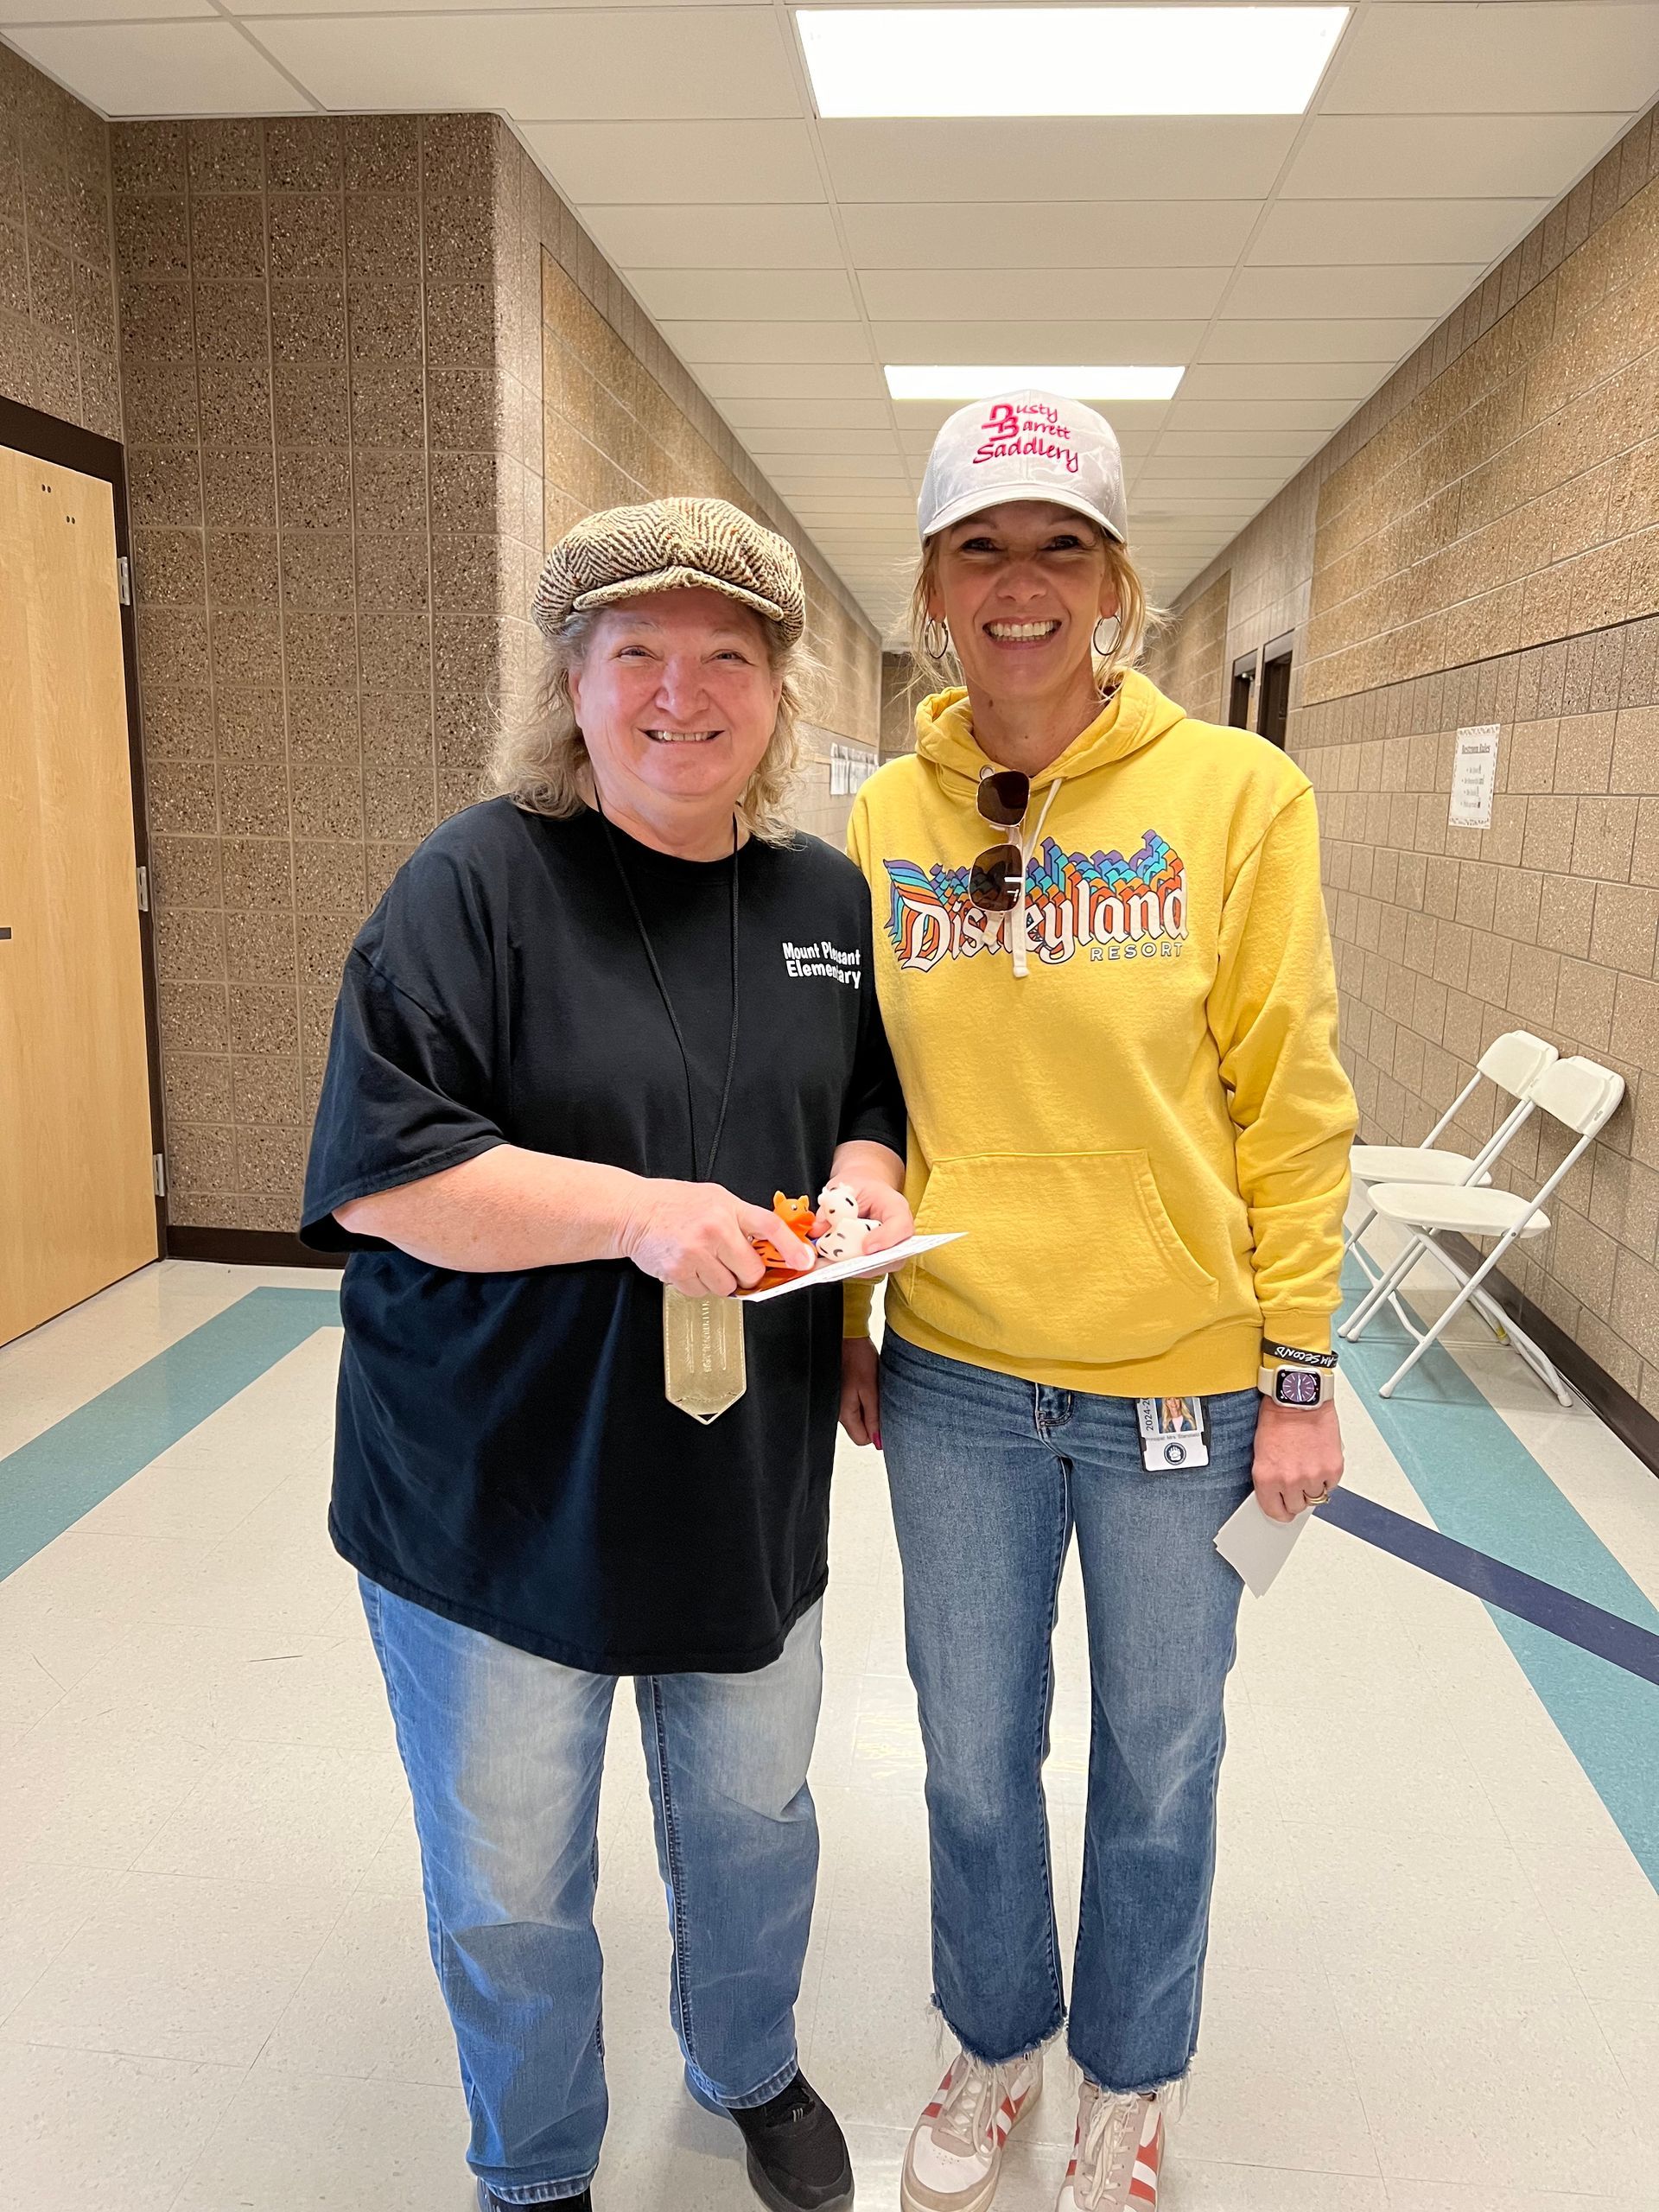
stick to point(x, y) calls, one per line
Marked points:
point(1004, 798)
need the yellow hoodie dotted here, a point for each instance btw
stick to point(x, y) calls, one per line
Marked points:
point(1146, 1137)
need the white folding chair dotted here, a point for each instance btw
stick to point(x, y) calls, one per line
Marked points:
point(1514, 1063)
point(1580, 1094)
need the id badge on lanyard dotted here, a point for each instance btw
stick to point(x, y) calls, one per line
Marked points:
point(705, 1368)
point(1174, 1434)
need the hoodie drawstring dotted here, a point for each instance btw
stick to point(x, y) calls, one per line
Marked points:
point(1022, 965)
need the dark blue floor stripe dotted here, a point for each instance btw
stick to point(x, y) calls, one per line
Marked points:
point(1621, 1642)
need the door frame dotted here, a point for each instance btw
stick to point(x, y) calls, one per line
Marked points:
point(64, 445)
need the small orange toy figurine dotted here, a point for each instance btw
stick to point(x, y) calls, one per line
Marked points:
point(797, 1216)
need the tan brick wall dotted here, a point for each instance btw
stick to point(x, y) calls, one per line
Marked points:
point(1547, 921)
point(623, 421)
point(1481, 544)
point(314, 426)
point(57, 294)
point(333, 363)
point(1515, 499)
point(1186, 661)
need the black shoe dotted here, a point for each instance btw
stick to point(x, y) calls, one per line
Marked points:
point(489, 2201)
point(797, 2154)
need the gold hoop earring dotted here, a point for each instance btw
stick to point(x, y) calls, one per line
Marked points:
point(1105, 653)
point(936, 638)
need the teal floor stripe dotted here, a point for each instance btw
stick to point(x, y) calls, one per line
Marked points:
point(47, 1483)
point(1481, 1485)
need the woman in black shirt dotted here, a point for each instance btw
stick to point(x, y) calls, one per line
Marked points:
point(595, 1023)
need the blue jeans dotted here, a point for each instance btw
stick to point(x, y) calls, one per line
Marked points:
point(989, 1476)
point(503, 1752)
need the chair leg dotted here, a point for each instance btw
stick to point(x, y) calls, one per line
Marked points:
point(1386, 1283)
point(1351, 1241)
point(1540, 1361)
point(1468, 1286)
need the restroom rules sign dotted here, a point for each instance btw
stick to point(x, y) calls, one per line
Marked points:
point(1474, 776)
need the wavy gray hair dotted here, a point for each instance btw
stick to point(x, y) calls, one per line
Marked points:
point(542, 764)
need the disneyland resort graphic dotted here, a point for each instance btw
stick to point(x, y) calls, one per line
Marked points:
point(1117, 909)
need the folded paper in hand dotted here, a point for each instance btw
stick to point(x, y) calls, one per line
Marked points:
point(1257, 1546)
point(867, 1264)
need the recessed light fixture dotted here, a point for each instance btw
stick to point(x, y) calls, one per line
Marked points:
point(905, 382)
point(1232, 61)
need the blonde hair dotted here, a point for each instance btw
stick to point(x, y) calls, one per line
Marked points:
point(1138, 619)
point(543, 764)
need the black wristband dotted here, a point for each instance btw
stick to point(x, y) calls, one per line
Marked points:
point(1293, 1356)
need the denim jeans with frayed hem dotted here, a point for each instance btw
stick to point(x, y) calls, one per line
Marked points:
point(503, 1752)
point(990, 1477)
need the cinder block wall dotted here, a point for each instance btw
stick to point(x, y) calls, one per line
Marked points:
point(333, 335)
point(57, 267)
point(1481, 544)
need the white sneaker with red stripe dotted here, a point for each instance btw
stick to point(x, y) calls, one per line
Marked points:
point(955, 2153)
point(1117, 2152)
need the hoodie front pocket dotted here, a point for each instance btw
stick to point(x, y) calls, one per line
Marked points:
point(1068, 1257)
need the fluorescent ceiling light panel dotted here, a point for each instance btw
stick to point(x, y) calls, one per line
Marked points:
point(905, 382)
point(1231, 60)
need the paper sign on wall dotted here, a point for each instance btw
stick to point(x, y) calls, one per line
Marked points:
point(1474, 776)
point(849, 766)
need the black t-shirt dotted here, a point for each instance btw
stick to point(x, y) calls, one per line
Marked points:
point(504, 1453)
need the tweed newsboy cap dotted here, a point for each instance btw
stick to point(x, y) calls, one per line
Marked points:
point(625, 552)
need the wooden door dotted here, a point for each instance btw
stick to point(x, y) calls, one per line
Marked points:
point(77, 1191)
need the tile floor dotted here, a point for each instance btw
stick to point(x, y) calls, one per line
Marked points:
point(1434, 1974)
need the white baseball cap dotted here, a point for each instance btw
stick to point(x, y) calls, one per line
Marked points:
point(1025, 445)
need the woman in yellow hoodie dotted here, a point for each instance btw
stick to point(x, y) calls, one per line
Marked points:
point(1116, 1032)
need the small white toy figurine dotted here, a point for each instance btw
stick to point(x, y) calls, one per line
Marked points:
point(847, 1235)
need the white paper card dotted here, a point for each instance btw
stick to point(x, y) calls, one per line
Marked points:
point(878, 1263)
point(1474, 776)
point(1257, 1546)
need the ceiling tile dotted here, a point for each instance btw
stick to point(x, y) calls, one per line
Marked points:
point(1116, 157)
point(1356, 231)
point(1444, 156)
point(1334, 341)
point(1433, 291)
point(113, 11)
point(700, 236)
point(1023, 296)
point(1057, 344)
point(773, 294)
point(1322, 414)
point(432, 7)
point(753, 342)
point(831, 467)
point(1296, 446)
point(658, 164)
point(171, 68)
point(778, 443)
point(1050, 233)
point(1517, 59)
point(775, 416)
point(622, 64)
point(1175, 471)
point(792, 380)
point(1350, 380)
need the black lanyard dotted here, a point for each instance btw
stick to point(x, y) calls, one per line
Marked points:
point(699, 1173)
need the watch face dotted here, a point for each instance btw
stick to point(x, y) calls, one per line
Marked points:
point(1293, 1386)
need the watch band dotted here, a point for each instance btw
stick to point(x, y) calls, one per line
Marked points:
point(1298, 1386)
